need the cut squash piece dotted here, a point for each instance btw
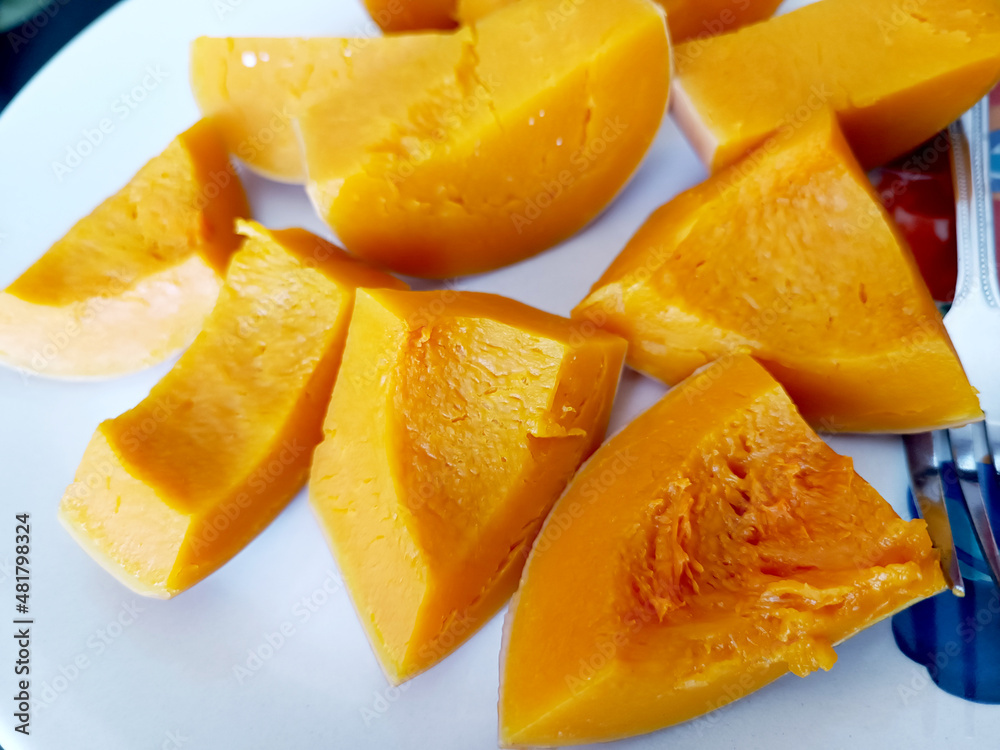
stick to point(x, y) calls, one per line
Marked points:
point(691, 19)
point(496, 144)
point(713, 545)
point(789, 254)
point(132, 283)
point(456, 422)
point(895, 73)
point(169, 491)
point(414, 15)
point(686, 18)
point(253, 89)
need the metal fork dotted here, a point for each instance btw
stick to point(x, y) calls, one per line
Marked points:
point(958, 465)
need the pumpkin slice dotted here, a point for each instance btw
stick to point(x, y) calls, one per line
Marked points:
point(713, 545)
point(513, 140)
point(132, 283)
point(686, 18)
point(253, 88)
point(895, 73)
point(790, 255)
point(169, 491)
point(456, 422)
point(416, 15)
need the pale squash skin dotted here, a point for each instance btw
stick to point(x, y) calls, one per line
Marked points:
point(130, 284)
point(169, 491)
point(790, 256)
point(456, 421)
point(894, 77)
point(713, 545)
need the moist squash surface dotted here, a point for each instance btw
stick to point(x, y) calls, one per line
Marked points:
point(456, 422)
point(788, 254)
point(713, 545)
point(132, 283)
point(172, 489)
point(895, 73)
point(687, 18)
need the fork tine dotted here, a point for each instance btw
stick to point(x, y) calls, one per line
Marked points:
point(978, 479)
point(924, 454)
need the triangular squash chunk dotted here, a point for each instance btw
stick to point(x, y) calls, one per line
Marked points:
point(789, 254)
point(895, 72)
point(687, 19)
point(713, 545)
point(255, 88)
point(170, 490)
point(545, 116)
point(130, 284)
point(456, 422)
point(444, 154)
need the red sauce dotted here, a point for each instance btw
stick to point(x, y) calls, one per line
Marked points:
point(917, 191)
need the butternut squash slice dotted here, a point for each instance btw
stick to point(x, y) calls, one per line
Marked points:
point(500, 156)
point(172, 489)
point(441, 154)
point(456, 422)
point(788, 254)
point(895, 73)
point(687, 18)
point(713, 545)
point(132, 283)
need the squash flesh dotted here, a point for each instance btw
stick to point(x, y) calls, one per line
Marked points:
point(456, 422)
point(713, 545)
point(894, 73)
point(507, 153)
point(170, 490)
point(789, 255)
point(131, 283)
point(255, 88)
point(687, 18)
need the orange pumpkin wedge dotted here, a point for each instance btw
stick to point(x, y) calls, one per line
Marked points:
point(687, 19)
point(132, 283)
point(713, 545)
point(414, 15)
point(172, 489)
point(895, 73)
point(254, 89)
point(456, 421)
point(463, 163)
point(788, 254)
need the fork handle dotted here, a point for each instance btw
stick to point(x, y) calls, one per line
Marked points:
point(974, 231)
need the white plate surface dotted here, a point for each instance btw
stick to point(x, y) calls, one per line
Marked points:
point(112, 671)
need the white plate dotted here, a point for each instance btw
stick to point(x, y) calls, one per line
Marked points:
point(167, 677)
